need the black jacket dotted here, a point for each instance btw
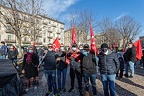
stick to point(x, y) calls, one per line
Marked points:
point(130, 54)
point(109, 64)
point(89, 63)
point(12, 54)
point(50, 61)
point(62, 63)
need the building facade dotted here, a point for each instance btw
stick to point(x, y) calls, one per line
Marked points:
point(41, 29)
point(81, 37)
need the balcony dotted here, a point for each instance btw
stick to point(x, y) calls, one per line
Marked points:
point(26, 42)
point(45, 22)
point(39, 43)
point(50, 36)
point(54, 24)
point(50, 30)
point(10, 41)
point(10, 31)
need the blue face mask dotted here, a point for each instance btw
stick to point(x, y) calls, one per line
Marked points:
point(73, 48)
point(85, 53)
point(49, 49)
point(30, 51)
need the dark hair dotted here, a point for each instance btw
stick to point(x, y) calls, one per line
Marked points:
point(3, 42)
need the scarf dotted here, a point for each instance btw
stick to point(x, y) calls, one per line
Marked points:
point(29, 57)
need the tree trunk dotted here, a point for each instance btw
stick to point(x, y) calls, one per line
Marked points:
point(19, 46)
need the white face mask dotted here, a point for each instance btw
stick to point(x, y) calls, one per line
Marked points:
point(61, 48)
point(30, 51)
point(49, 49)
point(73, 48)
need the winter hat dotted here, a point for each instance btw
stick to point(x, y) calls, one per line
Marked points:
point(86, 46)
point(104, 45)
point(74, 45)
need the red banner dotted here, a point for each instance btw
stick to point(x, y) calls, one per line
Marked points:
point(138, 46)
point(56, 44)
point(73, 35)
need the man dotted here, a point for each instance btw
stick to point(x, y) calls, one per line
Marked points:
point(4, 49)
point(89, 69)
point(130, 59)
point(75, 68)
point(12, 55)
point(61, 69)
point(50, 59)
point(109, 65)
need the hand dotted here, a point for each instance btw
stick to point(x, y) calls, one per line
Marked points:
point(45, 51)
point(38, 69)
point(23, 71)
point(58, 59)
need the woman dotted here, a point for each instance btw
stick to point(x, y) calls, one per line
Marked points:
point(12, 55)
point(30, 69)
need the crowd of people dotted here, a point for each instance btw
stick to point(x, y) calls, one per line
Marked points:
point(84, 65)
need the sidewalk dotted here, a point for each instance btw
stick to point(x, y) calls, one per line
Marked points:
point(124, 87)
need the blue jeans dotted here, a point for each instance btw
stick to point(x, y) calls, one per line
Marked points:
point(51, 80)
point(131, 65)
point(61, 78)
point(14, 61)
point(108, 81)
point(92, 78)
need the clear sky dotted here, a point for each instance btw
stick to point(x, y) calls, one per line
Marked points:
point(114, 9)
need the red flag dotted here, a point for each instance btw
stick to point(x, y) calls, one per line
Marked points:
point(34, 43)
point(56, 44)
point(92, 41)
point(139, 54)
point(73, 35)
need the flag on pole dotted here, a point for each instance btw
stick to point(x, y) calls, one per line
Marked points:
point(74, 35)
point(56, 44)
point(34, 43)
point(92, 41)
point(139, 53)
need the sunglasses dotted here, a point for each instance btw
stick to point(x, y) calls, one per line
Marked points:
point(49, 46)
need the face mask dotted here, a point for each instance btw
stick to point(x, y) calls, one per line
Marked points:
point(73, 48)
point(85, 53)
point(61, 48)
point(104, 50)
point(49, 49)
point(30, 51)
point(81, 48)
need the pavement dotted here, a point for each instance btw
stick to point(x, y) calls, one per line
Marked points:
point(124, 87)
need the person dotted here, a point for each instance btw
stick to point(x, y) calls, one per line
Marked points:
point(121, 60)
point(50, 61)
point(12, 55)
point(109, 65)
point(4, 48)
point(75, 68)
point(81, 48)
point(130, 59)
point(89, 69)
point(30, 69)
point(40, 53)
point(61, 69)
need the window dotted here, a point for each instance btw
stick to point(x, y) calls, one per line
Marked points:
point(25, 38)
point(25, 18)
point(9, 37)
point(44, 33)
point(25, 30)
point(0, 37)
point(9, 27)
point(44, 40)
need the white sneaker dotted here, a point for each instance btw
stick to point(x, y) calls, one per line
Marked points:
point(26, 89)
point(35, 87)
point(17, 67)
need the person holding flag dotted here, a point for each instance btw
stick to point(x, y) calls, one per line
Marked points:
point(130, 59)
point(50, 60)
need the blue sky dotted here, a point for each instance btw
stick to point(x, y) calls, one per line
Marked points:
point(59, 9)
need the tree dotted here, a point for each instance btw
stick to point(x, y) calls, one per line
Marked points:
point(128, 28)
point(17, 14)
point(109, 33)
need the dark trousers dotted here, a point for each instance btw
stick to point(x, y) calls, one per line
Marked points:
point(77, 74)
point(121, 69)
point(14, 61)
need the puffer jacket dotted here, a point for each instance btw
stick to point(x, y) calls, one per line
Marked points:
point(109, 64)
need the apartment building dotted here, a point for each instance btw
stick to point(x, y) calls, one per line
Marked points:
point(41, 28)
